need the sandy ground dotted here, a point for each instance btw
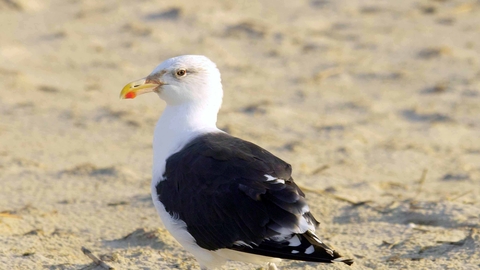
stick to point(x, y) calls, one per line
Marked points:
point(376, 104)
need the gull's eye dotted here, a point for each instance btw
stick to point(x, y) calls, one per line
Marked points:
point(181, 72)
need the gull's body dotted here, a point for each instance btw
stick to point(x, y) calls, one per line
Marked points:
point(221, 198)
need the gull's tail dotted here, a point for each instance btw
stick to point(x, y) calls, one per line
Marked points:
point(302, 247)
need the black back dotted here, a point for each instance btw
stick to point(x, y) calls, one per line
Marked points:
point(217, 185)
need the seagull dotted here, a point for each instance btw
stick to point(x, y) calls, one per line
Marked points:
point(222, 198)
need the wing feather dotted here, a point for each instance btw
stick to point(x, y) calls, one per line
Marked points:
point(234, 194)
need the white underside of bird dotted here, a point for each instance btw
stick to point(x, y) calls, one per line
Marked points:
point(192, 88)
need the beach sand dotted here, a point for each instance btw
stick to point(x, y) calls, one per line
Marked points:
point(376, 104)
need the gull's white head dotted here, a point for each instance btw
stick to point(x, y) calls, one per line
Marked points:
point(186, 79)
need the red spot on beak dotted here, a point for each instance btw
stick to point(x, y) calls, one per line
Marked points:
point(130, 95)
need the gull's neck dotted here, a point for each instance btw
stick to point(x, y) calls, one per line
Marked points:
point(178, 125)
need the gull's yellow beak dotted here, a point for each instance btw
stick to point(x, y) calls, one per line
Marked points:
point(139, 87)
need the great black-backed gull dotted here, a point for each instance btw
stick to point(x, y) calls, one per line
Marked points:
point(221, 197)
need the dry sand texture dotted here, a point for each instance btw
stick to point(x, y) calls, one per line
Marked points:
point(376, 104)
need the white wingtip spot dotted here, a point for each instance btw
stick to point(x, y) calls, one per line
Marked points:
point(295, 251)
point(274, 179)
point(270, 178)
point(310, 250)
point(294, 241)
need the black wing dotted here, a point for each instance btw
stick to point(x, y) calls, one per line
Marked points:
point(234, 194)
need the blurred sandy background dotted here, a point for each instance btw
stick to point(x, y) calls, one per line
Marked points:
point(376, 104)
